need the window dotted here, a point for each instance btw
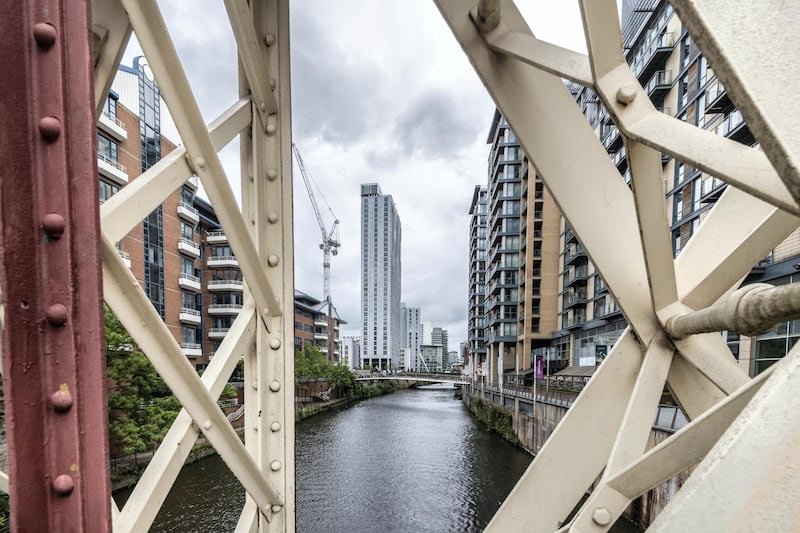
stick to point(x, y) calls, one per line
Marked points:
point(107, 191)
point(107, 149)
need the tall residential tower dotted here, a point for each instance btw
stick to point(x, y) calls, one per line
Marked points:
point(380, 279)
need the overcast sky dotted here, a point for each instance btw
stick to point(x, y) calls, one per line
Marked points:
point(381, 93)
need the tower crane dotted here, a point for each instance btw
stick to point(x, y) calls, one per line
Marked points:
point(330, 239)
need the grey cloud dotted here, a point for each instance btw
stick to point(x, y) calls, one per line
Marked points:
point(434, 126)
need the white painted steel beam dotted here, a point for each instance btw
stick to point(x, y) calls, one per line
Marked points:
point(123, 211)
point(111, 32)
point(748, 481)
point(176, 91)
point(125, 297)
point(539, 504)
point(750, 47)
point(156, 481)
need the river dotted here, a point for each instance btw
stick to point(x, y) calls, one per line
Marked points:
point(414, 460)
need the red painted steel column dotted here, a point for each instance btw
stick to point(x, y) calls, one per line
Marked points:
point(53, 347)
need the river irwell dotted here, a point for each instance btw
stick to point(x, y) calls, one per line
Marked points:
point(414, 460)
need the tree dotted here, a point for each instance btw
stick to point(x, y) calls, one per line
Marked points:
point(310, 363)
point(141, 407)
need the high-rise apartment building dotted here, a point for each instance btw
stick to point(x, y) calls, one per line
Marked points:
point(411, 335)
point(381, 236)
point(475, 363)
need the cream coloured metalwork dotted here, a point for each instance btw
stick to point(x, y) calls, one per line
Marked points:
point(260, 236)
point(626, 234)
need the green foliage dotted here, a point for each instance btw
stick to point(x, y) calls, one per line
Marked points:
point(312, 364)
point(363, 391)
point(141, 406)
point(495, 419)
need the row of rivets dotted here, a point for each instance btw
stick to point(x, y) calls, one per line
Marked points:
point(54, 225)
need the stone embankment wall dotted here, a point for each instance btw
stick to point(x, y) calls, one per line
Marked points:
point(532, 432)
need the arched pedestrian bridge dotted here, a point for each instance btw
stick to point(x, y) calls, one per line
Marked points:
point(428, 378)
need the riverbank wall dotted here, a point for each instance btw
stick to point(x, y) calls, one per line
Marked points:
point(513, 416)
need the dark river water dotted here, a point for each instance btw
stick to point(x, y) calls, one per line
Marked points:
point(411, 461)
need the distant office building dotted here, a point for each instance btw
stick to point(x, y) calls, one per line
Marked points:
point(411, 335)
point(351, 352)
point(439, 337)
point(381, 236)
point(432, 358)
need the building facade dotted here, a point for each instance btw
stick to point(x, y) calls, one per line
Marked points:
point(381, 237)
point(411, 335)
point(350, 347)
point(475, 361)
point(317, 324)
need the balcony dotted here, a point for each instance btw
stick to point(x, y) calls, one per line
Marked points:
point(607, 311)
point(659, 85)
point(224, 309)
point(112, 170)
point(653, 55)
point(217, 333)
point(228, 285)
point(612, 139)
point(320, 337)
point(576, 276)
point(717, 99)
point(189, 282)
point(217, 237)
point(575, 322)
point(321, 323)
point(619, 158)
point(576, 298)
point(188, 213)
point(190, 248)
point(113, 127)
point(192, 349)
point(222, 261)
point(190, 316)
point(735, 128)
point(712, 189)
point(572, 253)
point(126, 257)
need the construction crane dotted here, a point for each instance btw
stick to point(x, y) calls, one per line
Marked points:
point(330, 239)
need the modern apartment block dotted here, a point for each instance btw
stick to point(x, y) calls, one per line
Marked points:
point(411, 335)
point(475, 362)
point(180, 253)
point(521, 249)
point(381, 236)
point(316, 323)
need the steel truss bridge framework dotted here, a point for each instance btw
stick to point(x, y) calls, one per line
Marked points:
point(58, 262)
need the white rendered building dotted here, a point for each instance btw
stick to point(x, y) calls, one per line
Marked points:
point(380, 279)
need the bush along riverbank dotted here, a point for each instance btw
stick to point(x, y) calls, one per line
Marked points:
point(494, 419)
point(360, 391)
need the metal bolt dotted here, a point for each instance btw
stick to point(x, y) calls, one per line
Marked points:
point(273, 260)
point(63, 484)
point(271, 129)
point(255, 384)
point(272, 174)
point(275, 386)
point(201, 163)
point(49, 128)
point(272, 217)
point(275, 466)
point(255, 427)
point(277, 508)
point(275, 426)
point(273, 83)
point(262, 106)
point(61, 400)
point(207, 425)
point(601, 516)
point(45, 34)
point(57, 314)
point(275, 344)
point(54, 225)
point(269, 39)
point(626, 93)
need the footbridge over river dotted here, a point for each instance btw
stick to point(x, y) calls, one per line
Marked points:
point(429, 378)
point(59, 260)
